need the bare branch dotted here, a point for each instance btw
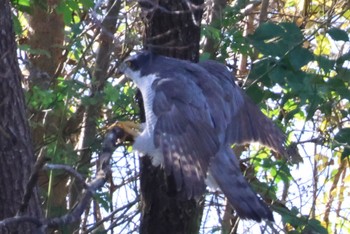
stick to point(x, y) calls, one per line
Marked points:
point(17, 220)
point(31, 185)
point(101, 177)
point(126, 207)
point(89, 188)
point(70, 170)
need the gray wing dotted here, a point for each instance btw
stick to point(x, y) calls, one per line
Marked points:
point(185, 131)
point(248, 123)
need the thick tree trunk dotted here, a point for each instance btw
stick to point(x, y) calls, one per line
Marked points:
point(16, 150)
point(172, 29)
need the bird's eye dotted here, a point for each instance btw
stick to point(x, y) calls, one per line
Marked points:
point(128, 63)
point(131, 64)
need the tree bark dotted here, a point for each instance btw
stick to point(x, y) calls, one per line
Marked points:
point(215, 12)
point(16, 150)
point(172, 29)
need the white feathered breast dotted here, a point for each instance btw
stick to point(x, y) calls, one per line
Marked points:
point(144, 143)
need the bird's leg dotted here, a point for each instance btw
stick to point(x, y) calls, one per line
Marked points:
point(131, 128)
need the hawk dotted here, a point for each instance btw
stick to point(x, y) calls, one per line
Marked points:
point(194, 113)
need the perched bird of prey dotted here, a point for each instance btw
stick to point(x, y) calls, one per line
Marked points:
point(194, 113)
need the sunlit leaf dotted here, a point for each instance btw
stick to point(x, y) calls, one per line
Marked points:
point(323, 46)
point(347, 14)
point(66, 12)
point(22, 5)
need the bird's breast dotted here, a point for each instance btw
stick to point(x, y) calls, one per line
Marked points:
point(151, 118)
point(145, 142)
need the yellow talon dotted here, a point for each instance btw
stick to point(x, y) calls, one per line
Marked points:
point(131, 128)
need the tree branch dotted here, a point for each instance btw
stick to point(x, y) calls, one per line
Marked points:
point(74, 215)
point(33, 179)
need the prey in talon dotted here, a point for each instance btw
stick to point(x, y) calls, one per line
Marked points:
point(128, 130)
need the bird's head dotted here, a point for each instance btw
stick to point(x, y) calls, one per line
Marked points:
point(135, 66)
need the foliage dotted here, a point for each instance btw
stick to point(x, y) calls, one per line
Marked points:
point(299, 63)
point(303, 74)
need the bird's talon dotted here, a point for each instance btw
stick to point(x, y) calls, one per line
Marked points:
point(129, 127)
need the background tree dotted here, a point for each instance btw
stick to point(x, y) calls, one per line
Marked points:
point(291, 57)
point(16, 151)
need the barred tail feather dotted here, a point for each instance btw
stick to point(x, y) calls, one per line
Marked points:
point(225, 170)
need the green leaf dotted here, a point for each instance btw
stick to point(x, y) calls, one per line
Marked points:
point(314, 102)
point(293, 35)
point(346, 153)
point(87, 4)
point(277, 39)
point(289, 216)
point(211, 32)
point(22, 5)
point(22, 2)
point(325, 64)
point(17, 25)
point(347, 14)
point(343, 136)
point(28, 49)
point(111, 93)
point(315, 226)
point(259, 72)
point(73, 5)
point(296, 81)
point(268, 31)
point(204, 56)
point(264, 188)
point(338, 34)
point(268, 39)
point(323, 45)
point(103, 199)
point(300, 57)
point(255, 93)
point(66, 11)
point(343, 73)
point(278, 75)
point(343, 58)
point(336, 84)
